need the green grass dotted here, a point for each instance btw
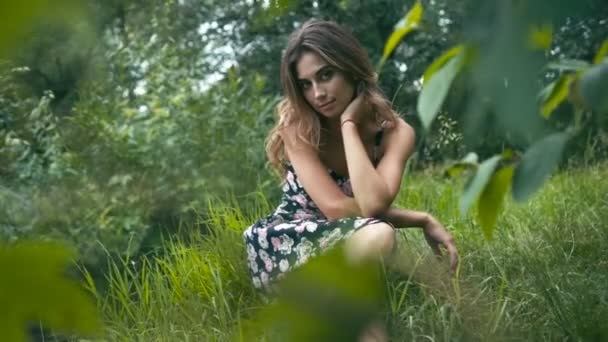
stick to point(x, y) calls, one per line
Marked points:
point(544, 276)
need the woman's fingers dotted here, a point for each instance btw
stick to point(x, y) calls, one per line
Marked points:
point(435, 248)
point(453, 253)
point(433, 244)
point(436, 235)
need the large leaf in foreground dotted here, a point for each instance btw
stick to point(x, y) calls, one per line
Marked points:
point(478, 183)
point(327, 299)
point(440, 61)
point(436, 89)
point(492, 198)
point(602, 52)
point(559, 93)
point(540, 37)
point(403, 28)
point(568, 65)
point(594, 88)
point(34, 287)
point(469, 162)
point(17, 18)
point(537, 164)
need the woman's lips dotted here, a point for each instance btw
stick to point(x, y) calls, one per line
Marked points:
point(326, 105)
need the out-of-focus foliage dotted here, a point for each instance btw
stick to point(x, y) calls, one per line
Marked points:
point(117, 117)
point(35, 288)
point(17, 19)
point(499, 71)
point(102, 140)
point(436, 88)
point(532, 282)
point(260, 39)
point(328, 299)
point(402, 28)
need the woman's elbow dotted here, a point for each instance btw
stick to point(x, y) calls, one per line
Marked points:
point(343, 208)
point(376, 204)
point(376, 208)
point(332, 214)
point(335, 212)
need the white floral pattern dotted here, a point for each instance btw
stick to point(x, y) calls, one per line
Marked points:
point(295, 232)
point(328, 239)
point(284, 265)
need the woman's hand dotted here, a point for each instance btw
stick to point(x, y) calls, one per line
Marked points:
point(434, 232)
point(357, 110)
point(436, 235)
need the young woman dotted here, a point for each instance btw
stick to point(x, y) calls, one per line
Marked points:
point(342, 150)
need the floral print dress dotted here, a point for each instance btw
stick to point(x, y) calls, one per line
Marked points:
point(297, 230)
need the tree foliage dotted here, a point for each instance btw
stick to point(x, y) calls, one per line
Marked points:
point(510, 96)
point(35, 288)
point(117, 116)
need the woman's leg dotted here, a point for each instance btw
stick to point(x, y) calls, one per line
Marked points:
point(371, 243)
point(374, 332)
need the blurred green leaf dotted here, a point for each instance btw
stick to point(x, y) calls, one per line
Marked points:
point(35, 287)
point(559, 93)
point(491, 201)
point(471, 157)
point(602, 52)
point(478, 183)
point(594, 88)
point(406, 25)
point(440, 61)
point(18, 18)
point(540, 37)
point(568, 65)
point(436, 89)
point(469, 162)
point(327, 299)
point(537, 164)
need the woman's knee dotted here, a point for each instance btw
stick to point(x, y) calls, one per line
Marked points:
point(371, 241)
point(386, 238)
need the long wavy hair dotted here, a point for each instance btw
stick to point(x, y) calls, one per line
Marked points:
point(340, 49)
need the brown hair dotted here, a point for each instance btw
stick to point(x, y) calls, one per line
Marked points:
point(339, 48)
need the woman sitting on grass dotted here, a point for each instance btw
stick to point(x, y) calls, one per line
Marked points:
point(342, 150)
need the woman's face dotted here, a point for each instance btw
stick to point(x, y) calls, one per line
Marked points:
point(327, 89)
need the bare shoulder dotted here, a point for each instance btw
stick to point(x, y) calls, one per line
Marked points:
point(288, 134)
point(404, 129)
point(401, 136)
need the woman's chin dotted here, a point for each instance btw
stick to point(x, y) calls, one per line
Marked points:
point(330, 114)
point(330, 117)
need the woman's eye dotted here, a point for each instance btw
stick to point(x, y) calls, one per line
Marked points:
point(326, 75)
point(304, 85)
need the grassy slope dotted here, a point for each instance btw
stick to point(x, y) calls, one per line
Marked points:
point(544, 276)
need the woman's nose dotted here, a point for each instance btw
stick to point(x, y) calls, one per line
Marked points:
point(319, 91)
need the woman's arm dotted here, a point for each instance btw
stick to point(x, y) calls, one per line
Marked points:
point(376, 188)
point(313, 176)
point(369, 188)
point(403, 218)
point(434, 232)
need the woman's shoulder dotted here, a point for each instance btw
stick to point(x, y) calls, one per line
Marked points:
point(398, 126)
point(399, 134)
point(289, 134)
